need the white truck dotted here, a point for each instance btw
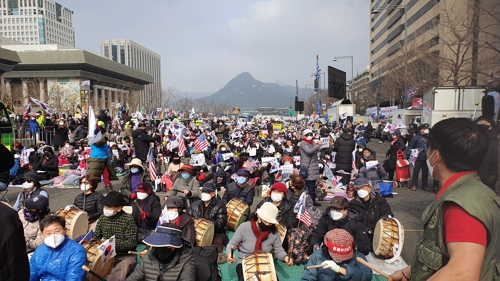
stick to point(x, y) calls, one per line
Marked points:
point(408, 116)
point(338, 108)
point(451, 102)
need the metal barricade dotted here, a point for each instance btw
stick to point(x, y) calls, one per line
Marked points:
point(26, 137)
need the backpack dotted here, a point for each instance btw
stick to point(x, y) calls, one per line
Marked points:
point(165, 179)
point(300, 250)
point(205, 260)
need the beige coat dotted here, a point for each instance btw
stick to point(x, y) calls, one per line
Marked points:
point(32, 234)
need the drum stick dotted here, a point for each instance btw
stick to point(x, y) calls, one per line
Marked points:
point(232, 252)
point(134, 253)
point(365, 263)
point(86, 268)
point(315, 266)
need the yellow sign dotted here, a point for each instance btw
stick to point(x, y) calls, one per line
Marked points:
point(277, 126)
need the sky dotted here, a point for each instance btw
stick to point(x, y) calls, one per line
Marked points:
point(205, 43)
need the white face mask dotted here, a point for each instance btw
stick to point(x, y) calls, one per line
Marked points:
point(67, 146)
point(115, 152)
point(222, 149)
point(61, 123)
point(309, 138)
point(362, 193)
point(205, 197)
point(108, 212)
point(336, 215)
point(142, 195)
point(276, 197)
point(84, 186)
point(426, 131)
point(28, 185)
point(264, 164)
point(360, 149)
point(431, 168)
point(172, 215)
point(54, 240)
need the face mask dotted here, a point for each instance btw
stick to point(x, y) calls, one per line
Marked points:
point(163, 253)
point(115, 152)
point(185, 176)
point(276, 197)
point(31, 149)
point(360, 149)
point(431, 168)
point(176, 161)
point(17, 156)
point(167, 140)
point(172, 215)
point(287, 162)
point(67, 146)
point(134, 170)
point(142, 195)
point(485, 127)
point(61, 123)
point(222, 149)
point(108, 212)
point(28, 186)
point(241, 180)
point(84, 186)
point(264, 164)
point(336, 215)
point(362, 193)
point(309, 138)
point(264, 227)
point(205, 197)
point(30, 216)
point(32, 118)
point(278, 156)
point(257, 145)
point(54, 240)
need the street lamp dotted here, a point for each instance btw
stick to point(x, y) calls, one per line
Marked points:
point(352, 65)
point(377, 10)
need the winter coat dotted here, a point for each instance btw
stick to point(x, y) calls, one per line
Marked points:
point(419, 142)
point(99, 149)
point(141, 143)
point(369, 131)
point(285, 216)
point(32, 233)
point(153, 207)
point(488, 170)
point(33, 126)
point(50, 165)
point(126, 187)
point(293, 197)
point(181, 267)
point(214, 212)
point(62, 263)
point(220, 132)
point(80, 133)
point(309, 158)
point(344, 146)
point(378, 208)
point(34, 158)
point(233, 190)
point(95, 167)
point(355, 270)
point(60, 135)
point(5, 177)
point(355, 228)
point(373, 175)
point(186, 225)
point(399, 144)
point(181, 184)
point(93, 204)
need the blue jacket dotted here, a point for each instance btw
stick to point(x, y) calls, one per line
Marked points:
point(355, 270)
point(99, 152)
point(418, 142)
point(63, 263)
point(33, 126)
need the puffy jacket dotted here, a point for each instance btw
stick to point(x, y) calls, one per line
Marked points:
point(186, 224)
point(99, 149)
point(245, 193)
point(285, 216)
point(355, 228)
point(141, 143)
point(181, 267)
point(60, 135)
point(293, 197)
point(419, 142)
point(93, 204)
point(126, 187)
point(80, 133)
point(190, 184)
point(373, 175)
point(63, 263)
point(392, 152)
point(32, 234)
point(309, 159)
point(344, 146)
point(50, 165)
point(355, 271)
point(95, 167)
point(377, 209)
point(214, 212)
point(152, 206)
point(33, 126)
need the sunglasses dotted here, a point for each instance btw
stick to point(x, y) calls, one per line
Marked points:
point(28, 181)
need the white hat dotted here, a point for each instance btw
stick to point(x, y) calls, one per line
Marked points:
point(306, 131)
point(135, 161)
point(268, 212)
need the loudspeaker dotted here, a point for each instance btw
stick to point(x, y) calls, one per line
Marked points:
point(488, 106)
point(299, 106)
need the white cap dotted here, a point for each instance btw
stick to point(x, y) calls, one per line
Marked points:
point(306, 131)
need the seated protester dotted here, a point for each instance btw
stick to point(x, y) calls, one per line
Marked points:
point(135, 175)
point(365, 153)
point(66, 154)
point(146, 208)
point(89, 200)
point(239, 189)
point(337, 216)
point(368, 206)
point(118, 158)
point(265, 237)
point(359, 155)
point(186, 186)
point(4, 180)
point(37, 207)
point(220, 177)
point(211, 208)
point(31, 187)
point(374, 174)
point(115, 222)
point(171, 258)
point(174, 166)
point(58, 258)
point(222, 149)
point(296, 186)
point(34, 156)
point(338, 257)
point(197, 158)
point(48, 163)
point(174, 214)
point(286, 215)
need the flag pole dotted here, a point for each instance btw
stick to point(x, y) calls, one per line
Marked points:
point(300, 214)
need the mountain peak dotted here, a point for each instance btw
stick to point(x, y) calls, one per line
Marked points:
point(244, 75)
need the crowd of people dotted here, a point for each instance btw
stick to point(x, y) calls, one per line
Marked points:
point(207, 168)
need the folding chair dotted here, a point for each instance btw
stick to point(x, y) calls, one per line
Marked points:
point(3, 194)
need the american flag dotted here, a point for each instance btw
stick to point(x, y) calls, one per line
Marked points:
point(201, 142)
point(27, 110)
point(152, 165)
point(182, 145)
point(301, 210)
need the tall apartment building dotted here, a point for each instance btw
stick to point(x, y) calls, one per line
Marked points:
point(37, 22)
point(130, 53)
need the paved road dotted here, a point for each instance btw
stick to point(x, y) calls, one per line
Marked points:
point(407, 205)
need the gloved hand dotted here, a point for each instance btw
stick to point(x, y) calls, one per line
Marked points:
point(144, 215)
point(331, 265)
point(132, 196)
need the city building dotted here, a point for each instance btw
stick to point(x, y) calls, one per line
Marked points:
point(37, 22)
point(358, 91)
point(132, 54)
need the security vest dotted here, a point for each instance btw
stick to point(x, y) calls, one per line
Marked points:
point(479, 201)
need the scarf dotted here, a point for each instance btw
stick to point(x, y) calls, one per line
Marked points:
point(395, 140)
point(308, 141)
point(261, 235)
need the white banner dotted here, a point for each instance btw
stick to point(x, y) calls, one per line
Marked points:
point(371, 164)
point(287, 169)
point(325, 142)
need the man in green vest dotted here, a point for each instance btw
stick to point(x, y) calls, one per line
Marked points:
point(461, 239)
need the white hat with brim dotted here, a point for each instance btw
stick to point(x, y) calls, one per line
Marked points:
point(268, 212)
point(135, 161)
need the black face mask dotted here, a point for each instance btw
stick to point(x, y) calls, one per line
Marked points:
point(163, 253)
point(30, 216)
point(176, 161)
point(484, 126)
point(264, 227)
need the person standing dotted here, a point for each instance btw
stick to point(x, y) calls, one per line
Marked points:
point(309, 160)
point(142, 142)
point(419, 142)
point(61, 132)
point(368, 132)
point(461, 239)
point(98, 163)
point(488, 170)
point(397, 143)
point(344, 146)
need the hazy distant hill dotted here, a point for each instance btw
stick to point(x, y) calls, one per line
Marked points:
point(194, 95)
point(245, 91)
